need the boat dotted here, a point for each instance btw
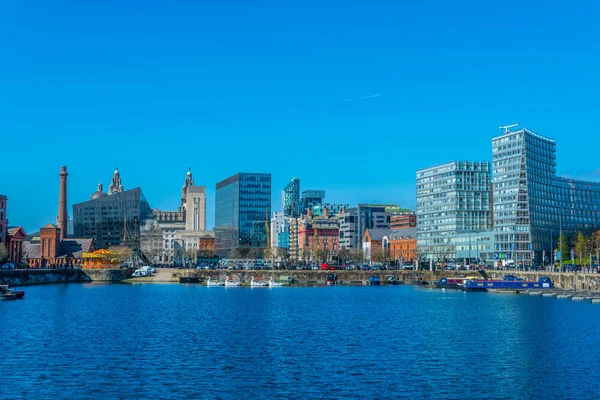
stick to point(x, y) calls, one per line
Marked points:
point(254, 283)
point(452, 283)
point(332, 280)
point(508, 282)
point(392, 280)
point(374, 280)
point(189, 279)
point(217, 283)
point(231, 283)
point(416, 279)
point(275, 284)
point(10, 294)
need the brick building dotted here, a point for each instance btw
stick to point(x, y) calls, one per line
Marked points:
point(14, 244)
point(52, 252)
point(53, 249)
point(402, 220)
point(403, 246)
point(375, 240)
point(317, 233)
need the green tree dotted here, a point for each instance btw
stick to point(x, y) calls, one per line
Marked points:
point(581, 245)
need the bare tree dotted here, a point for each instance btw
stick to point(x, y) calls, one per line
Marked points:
point(235, 254)
point(344, 255)
point(3, 253)
point(282, 253)
point(191, 254)
point(357, 256)
point(319, 255)
point(122, 253)
point(380, 256)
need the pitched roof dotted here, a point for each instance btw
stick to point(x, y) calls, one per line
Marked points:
point(12, 231)
point(68, 247)
point(31, 250)
point(75, 247)
point(378, 233)
point(49, 226)
point(404, 233)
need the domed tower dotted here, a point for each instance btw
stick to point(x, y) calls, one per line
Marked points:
point(99, 193)
point(115, 184)
point(189, 182)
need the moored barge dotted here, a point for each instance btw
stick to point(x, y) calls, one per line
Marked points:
point(507, 283)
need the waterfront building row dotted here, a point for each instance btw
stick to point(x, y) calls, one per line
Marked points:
point(513, 212)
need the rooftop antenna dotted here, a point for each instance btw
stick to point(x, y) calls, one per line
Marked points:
point(507, 127)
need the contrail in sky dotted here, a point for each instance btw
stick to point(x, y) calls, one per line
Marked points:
point(363, 98)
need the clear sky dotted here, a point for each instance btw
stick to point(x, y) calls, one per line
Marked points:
point(351, 97)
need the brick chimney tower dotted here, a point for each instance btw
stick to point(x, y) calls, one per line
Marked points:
point(62, 203)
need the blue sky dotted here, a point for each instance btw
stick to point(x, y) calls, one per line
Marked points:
point(223, 87)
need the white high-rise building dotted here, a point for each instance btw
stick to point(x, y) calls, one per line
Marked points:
point(195, 208)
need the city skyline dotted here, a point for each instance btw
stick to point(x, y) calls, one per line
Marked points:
point(283, 90)
point(169, 196)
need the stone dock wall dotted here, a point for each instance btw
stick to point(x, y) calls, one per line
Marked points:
point(33, 277)
point(40, 276)
point(561, 280)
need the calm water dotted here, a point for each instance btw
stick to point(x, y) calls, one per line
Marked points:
point(187, 341)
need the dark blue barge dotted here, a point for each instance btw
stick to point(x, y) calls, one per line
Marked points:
point(507, 283)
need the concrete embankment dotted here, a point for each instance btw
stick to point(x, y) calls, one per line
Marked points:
point(40, 276)
point(578, 281)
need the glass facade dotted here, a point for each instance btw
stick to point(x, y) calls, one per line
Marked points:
point(311, 198)
point(242, 206)
point(531, 202)
point(356, 220)
point(113, 220)
point(290, 198)
point(452, 199)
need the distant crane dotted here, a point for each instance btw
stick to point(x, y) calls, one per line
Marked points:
point(507, 127)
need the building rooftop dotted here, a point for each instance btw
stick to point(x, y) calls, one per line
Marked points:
point(68, 247)
point(524, 130)
point(378, 233)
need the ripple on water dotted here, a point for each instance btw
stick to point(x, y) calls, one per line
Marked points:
point(172, 341)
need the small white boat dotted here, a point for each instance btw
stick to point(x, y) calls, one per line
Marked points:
point(275, 284)
point(230, 283)
point(218, 283)
point(254, 283)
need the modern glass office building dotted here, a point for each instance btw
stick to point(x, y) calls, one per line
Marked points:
point(311, 198)
point(113, 220)
point(242, 210)
point(356, 220)
point(531, 203)
point(453, 199)
point(290, 198)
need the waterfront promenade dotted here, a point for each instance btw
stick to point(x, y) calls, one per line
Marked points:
point(562, 280)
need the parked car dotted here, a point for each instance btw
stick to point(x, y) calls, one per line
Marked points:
point(8, 266)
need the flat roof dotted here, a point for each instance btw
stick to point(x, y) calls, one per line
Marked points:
point(527, 131)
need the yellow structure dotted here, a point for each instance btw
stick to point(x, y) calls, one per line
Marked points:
point(101, 259)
